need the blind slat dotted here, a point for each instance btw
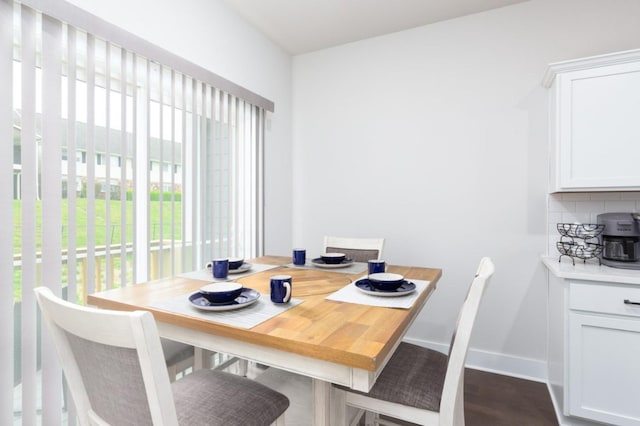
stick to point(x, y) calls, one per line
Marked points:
point(123, 165)
point(7, 304)
point(161, 165)
point(136, 271)
point(91, 168)
point(71, 164)
point(193, 167)
point(141, 173)
point(183, 177)
point(72, 218)
point(202, 190)
point(29, 191)
point(213, 177)
point(107, 166)
point(173, 171)
point(260, 183)
point(52, 205)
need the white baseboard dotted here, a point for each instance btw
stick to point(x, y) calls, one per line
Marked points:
point(508, 365)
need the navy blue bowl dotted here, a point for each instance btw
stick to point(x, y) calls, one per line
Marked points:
point(221, 292)
point(386, 281)
point(235, 262)
point(333, 258)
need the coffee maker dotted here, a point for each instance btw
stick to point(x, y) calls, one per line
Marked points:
point(620, 240)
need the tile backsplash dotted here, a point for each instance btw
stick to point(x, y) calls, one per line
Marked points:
point(584, 207)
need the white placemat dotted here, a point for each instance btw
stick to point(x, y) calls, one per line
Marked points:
point(206, 275)
point(354, 268)
point(247, 317)
point(352, 294)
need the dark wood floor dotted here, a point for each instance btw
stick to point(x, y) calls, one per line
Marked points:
point(497, 400)
point(490, 399)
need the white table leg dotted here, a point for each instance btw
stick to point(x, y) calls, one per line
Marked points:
point(338, 407)
point(321, 391)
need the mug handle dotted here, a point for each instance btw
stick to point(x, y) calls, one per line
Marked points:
point(287, 296)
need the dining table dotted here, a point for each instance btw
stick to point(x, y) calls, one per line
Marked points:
point(326, 332)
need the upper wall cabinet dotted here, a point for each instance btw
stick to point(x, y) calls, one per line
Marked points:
point(595, 123)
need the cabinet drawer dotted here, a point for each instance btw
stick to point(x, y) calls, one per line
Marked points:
point(605, 298)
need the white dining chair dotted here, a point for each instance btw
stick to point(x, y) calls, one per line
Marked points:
point(116, 373)
point(420, 385)
point(358, 249)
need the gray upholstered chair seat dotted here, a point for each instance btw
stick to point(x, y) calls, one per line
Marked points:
point(211, 398)
point(414, 376)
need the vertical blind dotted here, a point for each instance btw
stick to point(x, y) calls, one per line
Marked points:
point(120, 164)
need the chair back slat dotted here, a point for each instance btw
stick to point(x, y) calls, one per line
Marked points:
point(452, 406)
point(357, 255)
point(358, 249)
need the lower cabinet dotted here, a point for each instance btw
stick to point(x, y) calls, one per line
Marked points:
point(603, 353)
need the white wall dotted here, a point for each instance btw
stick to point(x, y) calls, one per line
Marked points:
point(436, 139)
point(207, 33)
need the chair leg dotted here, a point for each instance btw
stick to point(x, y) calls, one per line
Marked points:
point(279, 421)
point(354, 420)
point(243, 367)
point(370, 419)
point(172, 370)
point(384, 422)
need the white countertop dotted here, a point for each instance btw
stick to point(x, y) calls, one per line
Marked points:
point(590, 271)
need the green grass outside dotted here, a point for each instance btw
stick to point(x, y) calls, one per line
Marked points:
point(103, 234)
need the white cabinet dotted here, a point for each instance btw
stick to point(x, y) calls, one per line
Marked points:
point(593, 356)
point(595, 123)
point(604, 353)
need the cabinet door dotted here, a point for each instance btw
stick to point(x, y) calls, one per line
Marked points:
point(599, 127)
point(604, 368)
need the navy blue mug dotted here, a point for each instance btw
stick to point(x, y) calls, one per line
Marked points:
point(220, 268)
point(376, 266)
point(299, 257)
point(281, 288)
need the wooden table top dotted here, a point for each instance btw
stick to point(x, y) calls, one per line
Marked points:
point(354, 335)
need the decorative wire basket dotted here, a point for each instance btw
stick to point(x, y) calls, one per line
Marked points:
point(584, 231)
point(580, 251)
point(574, 241)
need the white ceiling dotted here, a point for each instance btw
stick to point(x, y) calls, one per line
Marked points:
point(301, 26)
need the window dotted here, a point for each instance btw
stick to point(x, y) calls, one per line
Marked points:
point(114, 160)
point(167, 174)
point(81, 157)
